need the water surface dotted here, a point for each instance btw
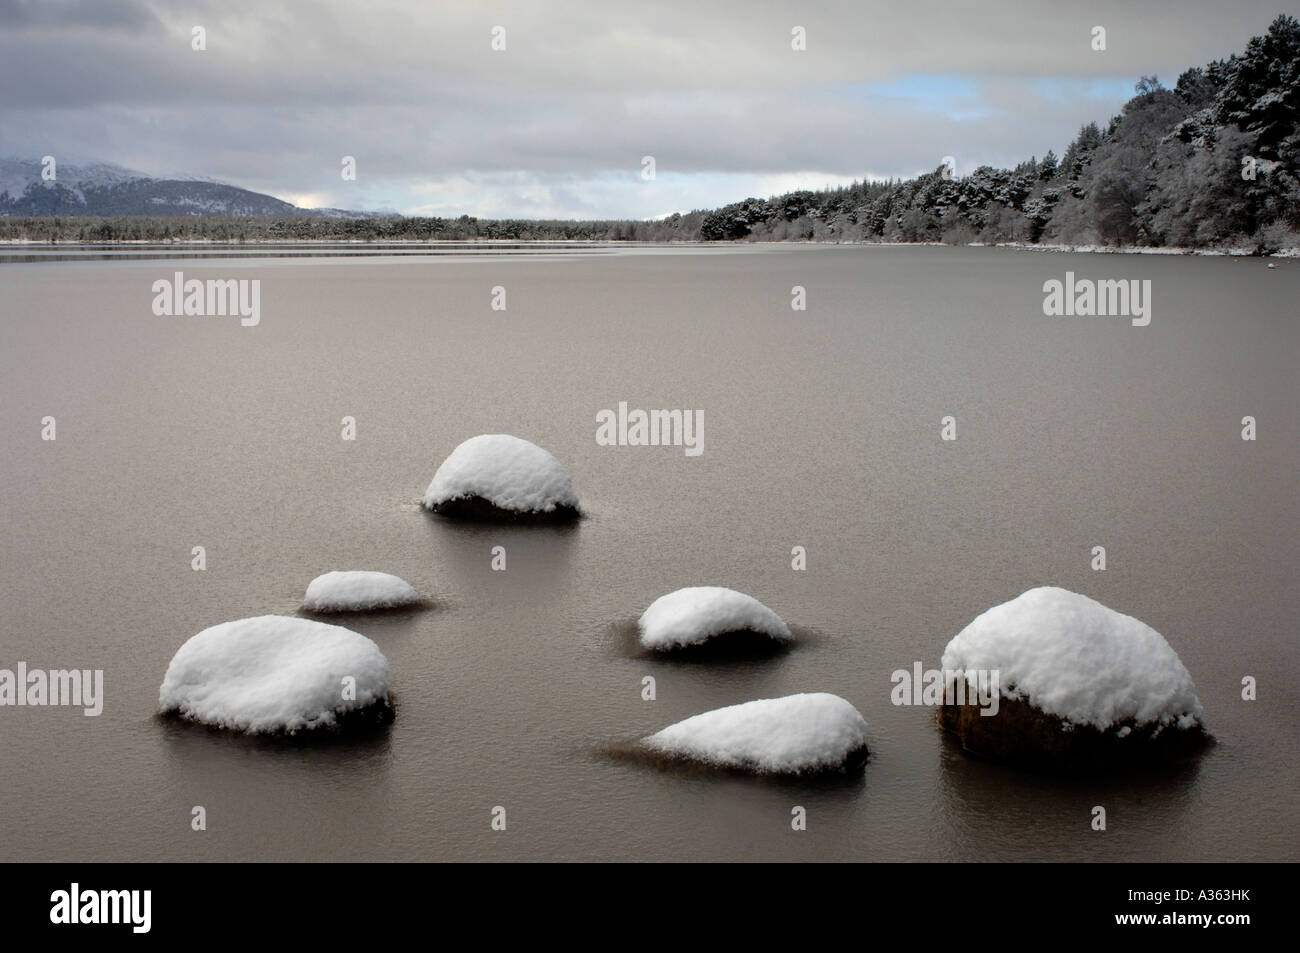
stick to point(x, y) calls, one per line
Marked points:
point(822, 429)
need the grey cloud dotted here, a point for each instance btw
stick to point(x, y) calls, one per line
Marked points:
point(75, 15)
point(415, 92)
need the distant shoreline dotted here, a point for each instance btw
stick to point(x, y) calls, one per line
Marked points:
point(1229, 252)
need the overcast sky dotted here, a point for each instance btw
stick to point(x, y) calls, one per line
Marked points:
point(557, 123)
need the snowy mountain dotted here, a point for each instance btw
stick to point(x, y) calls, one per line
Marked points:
point(100, 188)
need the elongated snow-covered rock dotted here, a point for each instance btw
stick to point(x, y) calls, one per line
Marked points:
point(497, 476)
point(693, 615)
point(810, 732)
point(358, 591)
point(1072, 657)
point(274, 673)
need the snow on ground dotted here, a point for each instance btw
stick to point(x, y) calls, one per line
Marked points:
point(273, 673)
point(1073, 657)
point(17, 174)
point(789, 735)
point(506, 471)
point(358, 591)
point(1233, 251)
point(697, 613)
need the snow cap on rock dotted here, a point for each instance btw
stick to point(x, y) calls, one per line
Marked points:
point(798, 733)
point(506, 471)
point(1072, 657)
point(358, 591)
point(695, 614)
point(274, 673)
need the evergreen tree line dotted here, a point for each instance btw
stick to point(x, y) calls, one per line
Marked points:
point(1211, 162)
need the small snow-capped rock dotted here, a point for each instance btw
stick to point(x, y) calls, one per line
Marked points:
point(692, 616)
point(797, 734)
point(498, 476)
point(274, 674)
point(358, 591)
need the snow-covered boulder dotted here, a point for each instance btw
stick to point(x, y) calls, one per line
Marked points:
point(1076, 679)
point(796, 734)
point(500, 477)
point(358, 591)
point(692, 616)
point(274, 674)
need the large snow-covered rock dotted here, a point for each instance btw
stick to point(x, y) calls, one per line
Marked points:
point(497, 476)
point(1072, 673)
point(692, 616)
point(274, 674)
point(1073, 657)
point(796, 734)
point(358, 591)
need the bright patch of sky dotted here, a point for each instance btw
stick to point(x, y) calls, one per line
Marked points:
point(1060, 89)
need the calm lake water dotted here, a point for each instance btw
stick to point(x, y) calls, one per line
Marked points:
point(822, 430)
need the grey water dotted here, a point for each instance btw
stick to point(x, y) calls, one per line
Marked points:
point(822, 430)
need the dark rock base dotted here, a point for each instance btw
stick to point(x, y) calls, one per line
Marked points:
point(477, 509)
point(636, 751)
point(1023, 734)
point(399, 609)
point(738, 645)
point(357, 723)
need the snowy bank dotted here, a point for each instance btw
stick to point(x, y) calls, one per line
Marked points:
point(358, 591)
point(1072, 673)
point(500, 477)
point(691, 616)
point(274, 674)
point(1231, 251)
point(796, 734)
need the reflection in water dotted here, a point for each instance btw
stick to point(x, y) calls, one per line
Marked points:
point(537, 558)
point(1024, 806)
point(252, 788)
point(360, 739)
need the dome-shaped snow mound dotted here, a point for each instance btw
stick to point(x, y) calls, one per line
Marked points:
point(693, 615)
point(811, 732)
point(273, 674)
point(497, 475)
point(1074, 658)
point(358, 591)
